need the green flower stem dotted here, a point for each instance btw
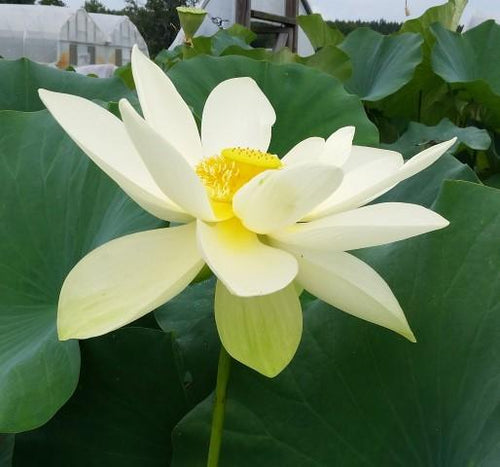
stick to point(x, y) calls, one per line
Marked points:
point(219, 408)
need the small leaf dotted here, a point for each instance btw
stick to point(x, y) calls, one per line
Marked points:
point(318, 31)
point(418, 136)
point(381, 64)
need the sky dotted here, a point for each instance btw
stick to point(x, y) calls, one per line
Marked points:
point(391, 10)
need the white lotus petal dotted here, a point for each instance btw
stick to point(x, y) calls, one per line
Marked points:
point(363, 227)
point(236, 114)
point(163, 107)
point(424, 159)
point(338, 146)
point(126, 278)
point(171, 171)
point(308, 150)
point(103, 138)
point(359, 187)
point(277, 198)
point(361, 155)
point(350, 285)
point(246, 266)
point(260, 332)
point(359, 182)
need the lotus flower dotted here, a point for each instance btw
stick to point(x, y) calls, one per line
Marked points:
point(267, 227)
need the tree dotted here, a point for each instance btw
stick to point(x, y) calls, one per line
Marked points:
point(95, 6)
point(52, 2)
point(157, 21)
point(382, 26)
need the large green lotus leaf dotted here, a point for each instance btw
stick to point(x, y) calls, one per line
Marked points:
point(426, 98)
point(6, 450)
point(307, 102)
point(190, 317)
point(471, 62)
point(22, 78)
point(329, 59)
point(55, 207)
point(127, 402)
point(356, 394)
point(318, 31)
point(381, 64)
point(419, 137)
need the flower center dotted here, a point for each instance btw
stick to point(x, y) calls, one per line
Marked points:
point(223, 175)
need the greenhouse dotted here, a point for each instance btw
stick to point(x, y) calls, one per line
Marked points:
point(66, 36)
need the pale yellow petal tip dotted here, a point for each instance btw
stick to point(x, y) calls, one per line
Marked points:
point(64, 334)
point(136, 55)
point(45, 94)
point(263, 367)
point(124, 106)
point(445, 223)
point(448, 144)
point(348, 130)
point(408, 334)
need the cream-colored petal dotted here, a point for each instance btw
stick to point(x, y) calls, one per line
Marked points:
point(236, 114)
point(276, 199)
point(362, 178)
point(103, 138)
point(260, 332)
point(411, 167)
point(349, 284)
point(361, 155)
point(308, 150)
point(424, 159)
point(170, 170)
point(338, 146)
point(126, 278)
point(246, 266)
point(363, 227)
point(362, 185)
point(163, 107)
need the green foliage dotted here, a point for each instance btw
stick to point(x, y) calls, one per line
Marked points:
point(129, 398)
point(236, 40)
point(381, 64)
point(426, 98)
point(52, 2)
point(355, 394)
point(6, 450)
point(319, 33)
point(419, 137)
point(471, 62)
point(156, 20)
point(382, 26)
point(189, 316)
point(94, 6)
point(22, 78)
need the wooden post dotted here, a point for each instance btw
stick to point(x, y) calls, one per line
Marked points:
point(291, 10)
point(243, 10)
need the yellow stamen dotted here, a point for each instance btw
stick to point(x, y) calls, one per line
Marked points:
point(225, 174)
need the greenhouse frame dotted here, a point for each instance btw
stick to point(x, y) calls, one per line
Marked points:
point(64, 36)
